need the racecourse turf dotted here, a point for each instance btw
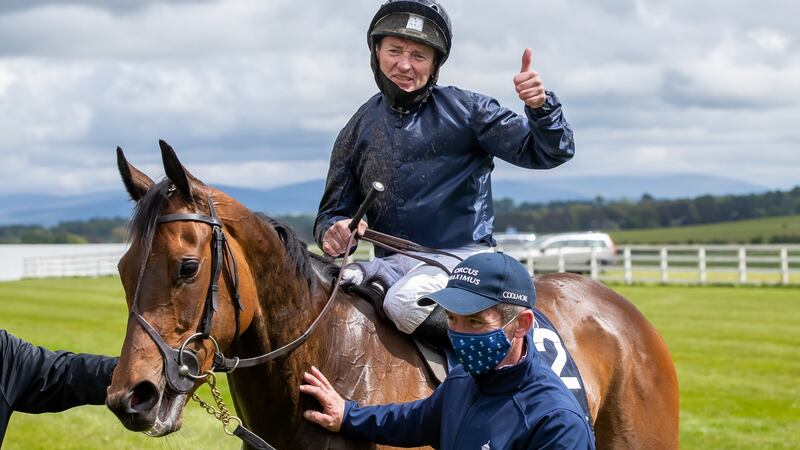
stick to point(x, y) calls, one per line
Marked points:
point(737, 351)
point(89, 315)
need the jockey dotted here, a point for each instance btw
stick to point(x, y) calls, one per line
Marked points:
point(433, 148)
point(503, 395)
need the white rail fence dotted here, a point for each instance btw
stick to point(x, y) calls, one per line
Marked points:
point(682, 264)
point(92, 265)
point(19, 261)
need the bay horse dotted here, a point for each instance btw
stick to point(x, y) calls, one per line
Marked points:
point(272, 292)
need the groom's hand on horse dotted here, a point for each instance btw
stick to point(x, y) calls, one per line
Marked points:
point(332, 403)
point(334, 242)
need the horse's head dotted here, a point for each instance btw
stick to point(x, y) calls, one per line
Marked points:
point(181, 288)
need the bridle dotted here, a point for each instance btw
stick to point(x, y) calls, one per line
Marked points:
point(181, 366)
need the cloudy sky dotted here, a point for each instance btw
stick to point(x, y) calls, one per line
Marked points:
point(252, 92)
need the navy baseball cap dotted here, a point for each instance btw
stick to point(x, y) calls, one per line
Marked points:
point(482, 281)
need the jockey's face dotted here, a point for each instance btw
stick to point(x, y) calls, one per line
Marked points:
point(407, 63)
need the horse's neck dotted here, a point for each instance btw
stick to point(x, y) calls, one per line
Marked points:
point(350, 346)
point(289, 297)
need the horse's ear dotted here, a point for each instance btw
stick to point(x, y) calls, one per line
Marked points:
point(136, 182)
point(178, 174)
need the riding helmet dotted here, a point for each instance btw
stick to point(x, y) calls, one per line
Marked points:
point(424, 21)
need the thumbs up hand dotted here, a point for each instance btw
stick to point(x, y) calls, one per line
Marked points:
point(527, 83)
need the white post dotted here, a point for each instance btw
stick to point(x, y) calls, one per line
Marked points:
point(784, 266)
point(530, 262)
point(593, 263)
point(628, 266)
point(561, 263)
point(701, 265)
point(664, 265)
point(742, 265)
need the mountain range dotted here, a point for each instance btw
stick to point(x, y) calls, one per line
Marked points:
point(303, 198)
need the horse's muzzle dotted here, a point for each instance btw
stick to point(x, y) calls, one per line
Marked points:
point(137, 408)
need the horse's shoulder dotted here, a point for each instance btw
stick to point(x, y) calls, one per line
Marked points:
point(582, 309)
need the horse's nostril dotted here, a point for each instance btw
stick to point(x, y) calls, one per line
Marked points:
point(143, 397)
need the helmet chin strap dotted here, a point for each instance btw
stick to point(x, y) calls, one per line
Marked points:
point(402, 101)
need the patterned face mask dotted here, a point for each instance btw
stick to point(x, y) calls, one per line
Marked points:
point(480, 352)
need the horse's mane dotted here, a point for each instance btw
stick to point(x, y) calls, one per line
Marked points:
point(296, 248)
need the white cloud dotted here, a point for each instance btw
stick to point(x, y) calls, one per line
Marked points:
point(668, 85)
point(771, 40)
point(7, 77)
point(261, 174)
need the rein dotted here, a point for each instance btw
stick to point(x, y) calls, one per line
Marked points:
point(404, 247)
point(226, 364)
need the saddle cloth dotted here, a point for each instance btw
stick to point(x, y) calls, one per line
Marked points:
point(548, 343)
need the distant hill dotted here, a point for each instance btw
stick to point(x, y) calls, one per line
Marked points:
point(303, 198)
point(620, 187)
point(47, 210)
point(39, 209)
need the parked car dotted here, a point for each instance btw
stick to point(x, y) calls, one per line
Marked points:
point(514, 241)
point(576, 249)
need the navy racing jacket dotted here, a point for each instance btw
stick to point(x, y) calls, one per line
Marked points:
point(525, 406)
point(36, 380)
point(435, 162)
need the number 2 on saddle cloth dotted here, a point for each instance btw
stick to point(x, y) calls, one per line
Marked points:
point(548, 343)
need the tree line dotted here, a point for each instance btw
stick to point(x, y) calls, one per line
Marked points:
point(93, 231)
point(599, 214)
point(647, 212)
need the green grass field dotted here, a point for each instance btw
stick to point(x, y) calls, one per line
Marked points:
point(88, 315)
point(737, 351)
point(743, 231)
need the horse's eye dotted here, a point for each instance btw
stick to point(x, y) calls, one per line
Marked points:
point(189, 268)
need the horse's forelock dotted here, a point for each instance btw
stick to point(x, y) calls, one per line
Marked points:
point(144, 221)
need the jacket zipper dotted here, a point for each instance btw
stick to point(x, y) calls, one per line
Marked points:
point(464, 417)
